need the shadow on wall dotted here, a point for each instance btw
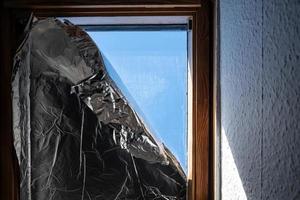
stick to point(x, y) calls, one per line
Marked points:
point(260, 109)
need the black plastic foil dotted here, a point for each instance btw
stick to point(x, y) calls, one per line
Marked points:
point(76, 135)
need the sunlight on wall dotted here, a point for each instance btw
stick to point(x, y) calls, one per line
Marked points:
point(232, 187)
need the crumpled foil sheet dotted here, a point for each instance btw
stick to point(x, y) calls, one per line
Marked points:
point(75, 134)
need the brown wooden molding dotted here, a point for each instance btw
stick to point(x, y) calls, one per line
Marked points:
point(100, 4)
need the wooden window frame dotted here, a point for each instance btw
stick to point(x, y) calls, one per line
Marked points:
point(201, 184)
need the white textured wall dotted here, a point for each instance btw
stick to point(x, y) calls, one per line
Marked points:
point(260, 99)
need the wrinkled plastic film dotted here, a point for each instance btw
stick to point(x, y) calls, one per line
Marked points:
point(100, 95)
point(75, 134)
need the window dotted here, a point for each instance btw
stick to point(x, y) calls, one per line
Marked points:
point(200, 154)
point(149, 64)
point(148, 57)
point(152, 67)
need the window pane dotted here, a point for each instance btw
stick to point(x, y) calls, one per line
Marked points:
point(150, 67)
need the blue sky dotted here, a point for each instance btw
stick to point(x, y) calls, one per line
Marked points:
point(150, 67)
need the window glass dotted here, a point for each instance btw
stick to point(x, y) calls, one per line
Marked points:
point(150, 67)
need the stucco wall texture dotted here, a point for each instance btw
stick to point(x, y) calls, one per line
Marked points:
point(260, 99)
